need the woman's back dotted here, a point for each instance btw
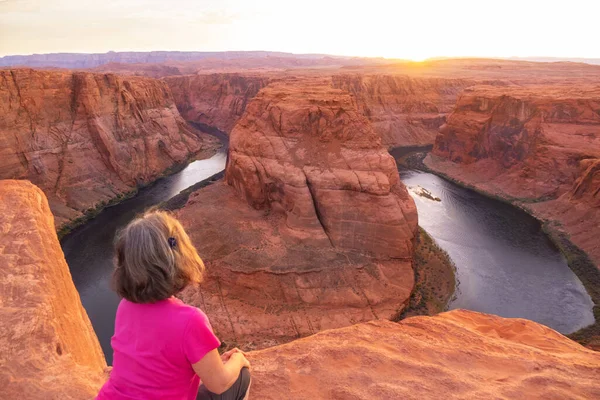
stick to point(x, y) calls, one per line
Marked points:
point(155, 345)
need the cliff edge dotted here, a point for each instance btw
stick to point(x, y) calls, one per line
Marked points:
point(455, 355)
point(48, 348)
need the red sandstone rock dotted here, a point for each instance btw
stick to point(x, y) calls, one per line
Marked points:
point(48, 349)
point(454, 355)
point(538, 145)
point(217, 99)
point(404, 111)
point(328, 239)
point(85, 138)
point(264, 286)
point(304, 150)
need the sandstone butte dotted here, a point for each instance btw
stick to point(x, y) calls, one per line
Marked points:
point(312, 228)
point(218, 100)
point(87, 138)
point(536, 146)
point(49, 350)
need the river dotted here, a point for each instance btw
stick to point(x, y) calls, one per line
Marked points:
point(505, 264)
point(89, 248)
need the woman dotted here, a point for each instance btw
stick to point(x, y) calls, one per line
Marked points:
point(163, 347)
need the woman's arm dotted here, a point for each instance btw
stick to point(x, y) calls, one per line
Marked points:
point(216, 376)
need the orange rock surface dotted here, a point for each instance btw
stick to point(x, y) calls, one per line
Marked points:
point(217, 100)
point(86, 138)
point(48, 349)
point(303, 149)
point(265, 287)
point(403, 110)
point(454, 355)
point(539, 146)
point(315, 230)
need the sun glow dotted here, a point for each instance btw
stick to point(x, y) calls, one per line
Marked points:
point(413, 30)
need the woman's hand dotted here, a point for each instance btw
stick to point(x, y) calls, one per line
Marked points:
point(218, 376)
point(227, 355)
point(242, 359)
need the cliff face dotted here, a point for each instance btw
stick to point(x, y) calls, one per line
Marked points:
point(404, 111)
point(454, 355)
point(315, 230)
point(85, 138)
point(217, 99)
point(539, 145)
point(48, 347)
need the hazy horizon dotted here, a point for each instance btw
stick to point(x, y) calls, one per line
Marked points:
point(518, 58)
point(391, 29)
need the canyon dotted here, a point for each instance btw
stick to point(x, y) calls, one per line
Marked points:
point(538, 147)
point(218, 100)
point(311, 228)
point(51, 351)
point(86, 139)
point(309, 238)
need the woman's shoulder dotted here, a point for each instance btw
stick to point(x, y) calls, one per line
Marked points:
point(188, 310)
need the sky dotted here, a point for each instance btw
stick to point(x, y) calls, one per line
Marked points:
point(415, 29)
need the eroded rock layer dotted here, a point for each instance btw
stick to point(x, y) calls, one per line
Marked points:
point(217, 100)
point(538, 146)
point(86, 138)
point(404, 111)
point(48, 347)
point(454, 355)
point(303, 148)
point(314, 230)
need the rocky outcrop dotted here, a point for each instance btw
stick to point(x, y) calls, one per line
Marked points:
point(87, 138)
point(303, 149)
point(404, 111)
point(265, 286)
point(538, 146)
point(48, 349)
point(314, 231)
point(454, 355)
point(217, 100)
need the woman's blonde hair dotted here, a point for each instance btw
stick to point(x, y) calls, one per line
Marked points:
point(155, 259)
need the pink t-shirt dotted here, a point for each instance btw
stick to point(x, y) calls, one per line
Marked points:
point(154, 348)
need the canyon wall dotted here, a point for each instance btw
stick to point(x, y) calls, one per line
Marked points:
point(87, 138)
point(454, 355)
point(48, 349)
point(538, 146)
point(313, 230)
point(217, 100)
point(404, 111)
